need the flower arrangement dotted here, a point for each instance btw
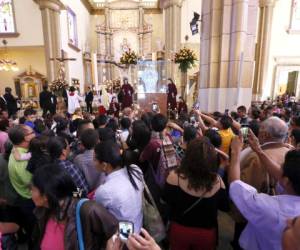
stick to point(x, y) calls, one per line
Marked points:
point(58, 86)
point(113, 86)
point(185, 58)
point(129, 57)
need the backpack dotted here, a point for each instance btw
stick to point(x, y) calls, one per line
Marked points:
point(167, 161)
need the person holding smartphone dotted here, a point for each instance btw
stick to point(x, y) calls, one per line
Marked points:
point(122, 191)
point(142, 241)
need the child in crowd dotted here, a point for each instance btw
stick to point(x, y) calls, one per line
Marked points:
point(37, 154)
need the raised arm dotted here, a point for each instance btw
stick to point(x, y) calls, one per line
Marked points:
point(175, 126)
point(201, 125)
point(209, 119)
point(273, 168)
point(236, 124)
point(234, 172)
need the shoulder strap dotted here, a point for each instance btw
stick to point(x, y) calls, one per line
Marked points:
point(194, 204)
point(79, 225)
point(146, 189)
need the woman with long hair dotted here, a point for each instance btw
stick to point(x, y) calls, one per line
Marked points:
point(52, 192)
point(194, 193)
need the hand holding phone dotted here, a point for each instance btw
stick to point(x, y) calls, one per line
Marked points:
point(126, 228)
point(144, 241)
point(245, 132)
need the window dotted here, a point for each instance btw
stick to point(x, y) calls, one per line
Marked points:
point(7, 20)
point(72, 29)
point(295, 17)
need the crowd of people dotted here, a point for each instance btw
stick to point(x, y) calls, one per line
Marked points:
point(167, 176)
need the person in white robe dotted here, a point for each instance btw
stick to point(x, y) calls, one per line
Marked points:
point(73, 100)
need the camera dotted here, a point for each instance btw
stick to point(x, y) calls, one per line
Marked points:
point(126, 228)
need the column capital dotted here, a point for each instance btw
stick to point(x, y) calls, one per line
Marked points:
point(55, 5)
point(267, 3)
point(169, 3)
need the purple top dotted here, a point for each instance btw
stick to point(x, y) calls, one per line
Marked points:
point(266, 215)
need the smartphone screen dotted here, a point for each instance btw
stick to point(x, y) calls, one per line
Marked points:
point(244, 132)
point(125, 229)
point(154, 107)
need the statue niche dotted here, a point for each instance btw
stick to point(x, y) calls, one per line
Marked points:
point(29, 84)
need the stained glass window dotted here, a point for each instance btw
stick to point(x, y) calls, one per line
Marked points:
point(7, 21)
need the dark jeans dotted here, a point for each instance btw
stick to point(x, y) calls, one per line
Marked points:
point(27, 220)
point(89, 107)
point(45, 111)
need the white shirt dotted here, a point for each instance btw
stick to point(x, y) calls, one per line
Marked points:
point(124, 135)
point(73, 102)
point(266, 215)
point(121, 199)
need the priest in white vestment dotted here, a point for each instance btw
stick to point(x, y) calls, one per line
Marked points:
point(73, 100)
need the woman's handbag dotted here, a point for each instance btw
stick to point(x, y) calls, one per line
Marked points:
point(153, 222)
point(78, 224)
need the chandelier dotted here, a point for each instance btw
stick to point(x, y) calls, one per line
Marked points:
point(7, 64)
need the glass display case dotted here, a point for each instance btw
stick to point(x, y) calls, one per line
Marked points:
point(152, 86)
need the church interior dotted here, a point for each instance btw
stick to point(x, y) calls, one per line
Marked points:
point(245, 50)
point(237, 57)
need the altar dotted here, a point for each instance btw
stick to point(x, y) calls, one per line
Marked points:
point(152, 88)
point(127, 27)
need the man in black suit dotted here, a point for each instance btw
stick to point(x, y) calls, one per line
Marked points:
point(3, 105)
point(89, 97)
point(45, 100)
point(11, 102)
point(53, 104)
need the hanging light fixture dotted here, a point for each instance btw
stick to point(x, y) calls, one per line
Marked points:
point(7, 64)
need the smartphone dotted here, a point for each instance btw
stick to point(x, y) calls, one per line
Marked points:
point(125, 229)
point(193, 119)
point(154, 107)
point(197, 106)
point(244, 132)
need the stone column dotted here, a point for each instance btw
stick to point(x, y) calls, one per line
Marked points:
point(141, 29)
point(108, 47)
point(172, 14)
point(50, 10)
point(99, 43)
point(263, 46)
point(227, 53)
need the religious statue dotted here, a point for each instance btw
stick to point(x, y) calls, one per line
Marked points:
point(182, 107)
point(61, 74)
point(127, 94)
point(104, 99)
point(172, 93)
point(125, 46)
